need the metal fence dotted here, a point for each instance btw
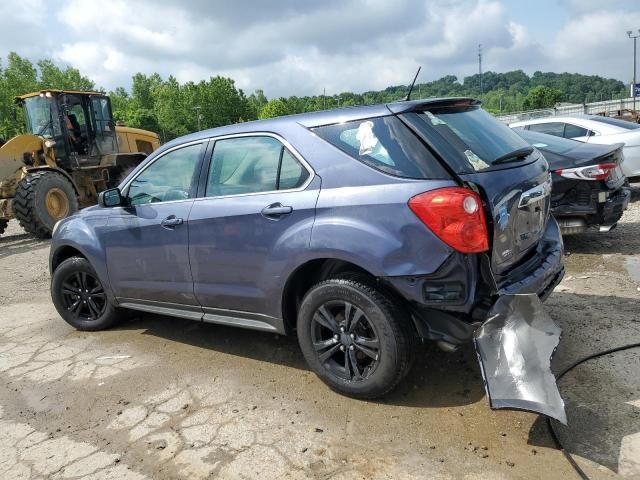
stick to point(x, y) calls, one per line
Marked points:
point(609, 106)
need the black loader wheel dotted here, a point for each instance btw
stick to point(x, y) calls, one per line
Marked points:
point(79, 296)
point(358, 340)
point(3, 225)
point(42, 198)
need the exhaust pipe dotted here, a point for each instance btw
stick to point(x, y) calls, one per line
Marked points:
point(607, 228)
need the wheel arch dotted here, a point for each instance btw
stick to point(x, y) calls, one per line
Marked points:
point(63, 253)
point(314, 271)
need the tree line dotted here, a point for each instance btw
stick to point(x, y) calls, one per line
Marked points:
point(172, 109)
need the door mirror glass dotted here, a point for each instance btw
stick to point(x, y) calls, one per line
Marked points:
point(110, 198)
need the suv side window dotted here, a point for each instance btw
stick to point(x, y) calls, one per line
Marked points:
point(167, 179)
point(246, 165)
point(574, 131)
point(550, 128)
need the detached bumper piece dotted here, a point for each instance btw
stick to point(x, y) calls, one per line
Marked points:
point(515, 345)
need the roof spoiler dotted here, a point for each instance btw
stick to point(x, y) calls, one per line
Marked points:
point(418, 105)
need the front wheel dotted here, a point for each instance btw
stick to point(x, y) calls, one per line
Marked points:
point(355, 338)
point(79, 296)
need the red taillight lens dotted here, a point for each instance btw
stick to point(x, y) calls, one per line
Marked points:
point(455, 215)
point(591, 172)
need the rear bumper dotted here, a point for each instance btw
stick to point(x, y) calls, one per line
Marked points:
point(515, 345)
point(599, 212)
point(446, 303)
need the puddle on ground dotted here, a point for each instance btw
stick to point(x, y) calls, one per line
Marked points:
point(632, 264)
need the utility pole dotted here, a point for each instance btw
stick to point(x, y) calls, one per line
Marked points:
point(633, 88)
point(480, 65)
point(198, 117)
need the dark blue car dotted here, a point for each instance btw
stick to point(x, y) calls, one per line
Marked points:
point(364, 230)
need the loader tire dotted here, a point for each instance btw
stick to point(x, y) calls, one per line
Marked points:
point(42, 198)
point(3, 225)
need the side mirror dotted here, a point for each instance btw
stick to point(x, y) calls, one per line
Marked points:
point(110, 198)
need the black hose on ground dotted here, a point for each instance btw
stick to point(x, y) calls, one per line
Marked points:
point(556, 440)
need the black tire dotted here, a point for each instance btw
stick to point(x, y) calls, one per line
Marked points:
point(3, 225)
point(79, 296)
point(376, 323)
point(30, 202)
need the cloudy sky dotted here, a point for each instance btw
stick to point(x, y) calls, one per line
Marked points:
point(297, 47)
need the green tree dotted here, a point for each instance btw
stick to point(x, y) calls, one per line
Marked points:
point(274, 108)
point(541, 97)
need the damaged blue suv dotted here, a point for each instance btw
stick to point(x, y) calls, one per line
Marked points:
point(362, 230)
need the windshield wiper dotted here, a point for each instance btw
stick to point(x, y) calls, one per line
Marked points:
point(515, 155)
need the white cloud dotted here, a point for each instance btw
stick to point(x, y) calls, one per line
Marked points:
point(296, 48)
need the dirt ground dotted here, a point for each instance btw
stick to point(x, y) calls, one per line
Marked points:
point(160, 397)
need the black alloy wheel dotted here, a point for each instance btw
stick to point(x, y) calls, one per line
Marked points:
point(345, 340)
point(83, 296)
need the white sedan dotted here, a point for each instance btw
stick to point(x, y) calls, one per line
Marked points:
point(594, 129)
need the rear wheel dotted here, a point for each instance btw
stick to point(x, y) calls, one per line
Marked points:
point(355, 338)
point(79, 296)
point(42, 198)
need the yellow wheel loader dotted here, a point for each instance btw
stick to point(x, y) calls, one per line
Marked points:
point(71, 152)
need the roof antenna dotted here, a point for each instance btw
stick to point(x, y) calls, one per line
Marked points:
point(408, 97)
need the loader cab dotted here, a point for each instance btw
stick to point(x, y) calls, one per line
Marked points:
point(79, 125)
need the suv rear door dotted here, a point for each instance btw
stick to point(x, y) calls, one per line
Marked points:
point(258, 206)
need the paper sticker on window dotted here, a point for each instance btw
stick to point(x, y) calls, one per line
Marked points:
point(434, 120)
point(476, 162)
point(367, 138)
point(539, 145)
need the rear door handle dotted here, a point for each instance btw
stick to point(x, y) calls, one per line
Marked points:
point(276, 210)
point(171, 222)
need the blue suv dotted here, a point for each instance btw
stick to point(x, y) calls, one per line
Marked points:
point(363, 230)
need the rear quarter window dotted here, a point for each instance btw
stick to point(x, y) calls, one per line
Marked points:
point(386, 144)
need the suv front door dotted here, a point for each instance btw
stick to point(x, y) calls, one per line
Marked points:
point(147, 241)
point(258, 210)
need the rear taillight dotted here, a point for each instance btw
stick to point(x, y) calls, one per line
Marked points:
point(455, 215)
point(592, 172)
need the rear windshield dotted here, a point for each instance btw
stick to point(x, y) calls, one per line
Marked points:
point(546, 142)
point(475, 133)
point(386, 144)
point(616, 122)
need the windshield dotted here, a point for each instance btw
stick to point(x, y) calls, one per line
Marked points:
point(39, 116)
point(480, 137)
point(545, 142)
point(616, 122)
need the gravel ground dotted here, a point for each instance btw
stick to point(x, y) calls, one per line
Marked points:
point(160, 397)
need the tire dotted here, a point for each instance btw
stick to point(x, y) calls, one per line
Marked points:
point(73, 281)
point(3, 225)
point(42, 198)
point(378, 341)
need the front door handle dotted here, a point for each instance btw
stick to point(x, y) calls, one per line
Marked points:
point(276, 210)
point(171, 222)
